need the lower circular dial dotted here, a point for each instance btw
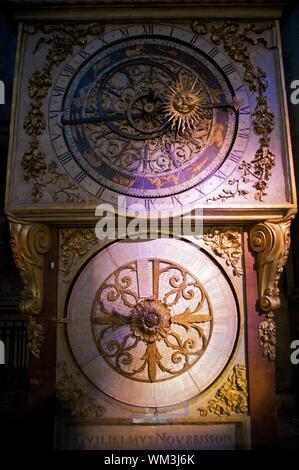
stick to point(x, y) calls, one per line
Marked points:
point(155, 327)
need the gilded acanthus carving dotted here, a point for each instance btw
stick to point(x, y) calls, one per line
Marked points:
point(270, 241)
point(267, 335)
point(75, 243)
point(36, 336)
point(231, 398)
point(234, 38)
point(29, 243)
point(72, 397)
point(228, 245)
point(61, 40)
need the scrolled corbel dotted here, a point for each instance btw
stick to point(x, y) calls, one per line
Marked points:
point(29, 244)
point(270, 241)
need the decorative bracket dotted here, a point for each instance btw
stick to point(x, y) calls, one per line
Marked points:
point(270, 241)
point(29, 244)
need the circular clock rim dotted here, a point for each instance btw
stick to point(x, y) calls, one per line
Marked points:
point(200, 195)
point(230, 358)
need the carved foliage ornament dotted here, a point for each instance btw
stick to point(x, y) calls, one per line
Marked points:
point(271, 243)
point(231, 398)
point(36, 336)
point(267, 335)
point(228, 245)
point(75, 244)
point(235, 39)
point(61, 39)
point(72, 397)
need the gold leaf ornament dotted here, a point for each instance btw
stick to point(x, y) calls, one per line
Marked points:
point(234, 38)
point(231, 398)
point(60, 40)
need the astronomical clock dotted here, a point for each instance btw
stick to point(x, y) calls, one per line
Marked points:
point(147, 339)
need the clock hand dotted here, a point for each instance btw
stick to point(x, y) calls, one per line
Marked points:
point(235, 105)
point(96, 119)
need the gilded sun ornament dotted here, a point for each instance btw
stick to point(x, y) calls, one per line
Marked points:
point(184, 105)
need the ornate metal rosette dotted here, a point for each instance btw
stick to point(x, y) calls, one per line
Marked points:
point(147, 320)
point(158, 336)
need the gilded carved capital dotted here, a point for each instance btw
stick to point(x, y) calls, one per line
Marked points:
point(29, 244)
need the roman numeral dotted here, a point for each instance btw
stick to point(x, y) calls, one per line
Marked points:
point(148, 203)
point(235, 156)
point(228, 69)
point(243, 133)
point(245, 110)
point(124, 32)
point(148, 28)
point(65, 158)
point(213, 52)
point(103, 41)
point(55, 136)
point(194, 39)
point(53, 114)
point(199, 190)
point(83, 54)
point(100, 192)
point(176, 201)
point(80, 177)
point(58, 91)
point(220, 175)
point(68, 71)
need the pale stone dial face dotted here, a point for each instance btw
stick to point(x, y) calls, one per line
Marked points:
point(152, 323)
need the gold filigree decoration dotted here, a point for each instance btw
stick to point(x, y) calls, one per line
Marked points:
point(75, 244)
point(36, 336)
point(61, 39)
point(270, 241)
point(29, 244)
point(231, 398)
point(234, 39)
point(156, 337)
point(228, 245)
point(72, 397)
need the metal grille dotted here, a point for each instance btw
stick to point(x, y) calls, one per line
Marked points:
point(14, 373)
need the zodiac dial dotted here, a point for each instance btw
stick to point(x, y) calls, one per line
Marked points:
point(153, 318)
point(149, 115)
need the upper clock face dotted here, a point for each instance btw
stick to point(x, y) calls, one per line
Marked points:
point(151, 112)
point(147, 320)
